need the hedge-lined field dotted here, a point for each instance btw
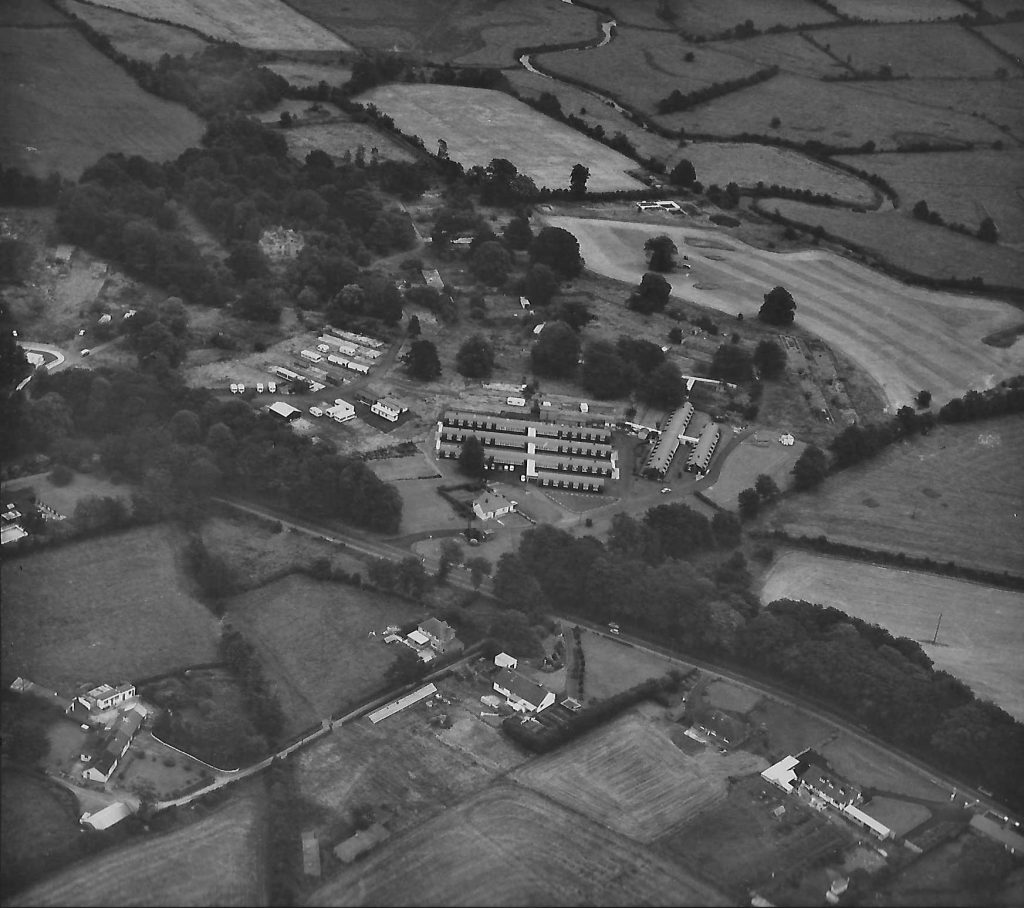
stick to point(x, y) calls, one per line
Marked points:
point(135, 37)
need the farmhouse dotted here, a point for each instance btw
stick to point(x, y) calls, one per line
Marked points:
point(521, 693)
point(660, 458)
point(565, 454)
point(388, 408)
point(342, 411)
point(784, 773)
point(104, 759)
point(493, 504)
point(440, 636)
point(821, 785)
point(700, 457)
point(107, 697)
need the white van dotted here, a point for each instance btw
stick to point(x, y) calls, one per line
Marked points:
point(315, 411)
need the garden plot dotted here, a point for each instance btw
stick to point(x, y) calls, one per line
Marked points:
point(262, 24)
point(630, 777)
point(480, 125)
point(66, 105)
point(980, 637)
point(907, 338)
point(462, 857)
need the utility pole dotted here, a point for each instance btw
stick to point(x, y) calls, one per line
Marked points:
point(937, 623)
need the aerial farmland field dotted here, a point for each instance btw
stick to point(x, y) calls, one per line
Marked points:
point(964, 187)
point(59, 606)
point(980, 637)
point(461, 857)
point(135, 37)
point(956, 494)
point(1007, 35)
point(711, 17)
point(480, 125)
point(901, 10)
point(345, 135)
point(629, 776)
point(262, 24)
point(464, 32)
point(931, 340)
point(66, 105)
point(917, 247)
point(218, 860)
point(748, 165)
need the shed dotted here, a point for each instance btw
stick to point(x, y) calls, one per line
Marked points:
point(352, 847)
point(310, 853)
point(504, 660)
point(108, 816)
point(284, 411)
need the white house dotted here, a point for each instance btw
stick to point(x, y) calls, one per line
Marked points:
point(493, 504)
point(104, 761)
point(342, 411)
point(521, 693)
point(388, 408)
point(783, 774)
point(504, 660)
point(440, 636)
point(106, 697)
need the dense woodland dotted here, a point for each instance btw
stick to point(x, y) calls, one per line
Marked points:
point(660, 577)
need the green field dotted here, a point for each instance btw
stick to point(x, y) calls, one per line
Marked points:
point(312, 639)
point(65, 105)
point(956, 494)
point(465, 32)
point(135, 37)
point(481, 125)
point(746, 462)
point(711, 17)
point(112, 608)
point(903, 10)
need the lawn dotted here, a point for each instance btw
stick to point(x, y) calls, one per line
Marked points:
point(748, 460)
point(461, 857)
point(65, 105)
point(630, 777)
point(919, 498)
point(481, 125)
point(613, 666)
point(866, 764)
point(1007, 35)
point(135, 37)
point(964, 187)
point(465, 32)
point(218, 860)
point(262, 24)
point(931, 340)
point(312, 639)
point(981, 634)
point(112, 608)
point(748, 165)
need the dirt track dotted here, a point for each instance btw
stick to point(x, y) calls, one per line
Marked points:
point(906, 338)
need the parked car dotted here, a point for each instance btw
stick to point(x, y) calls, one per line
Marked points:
point(613, 628)
point(86, 352)
point(315, 411)
point(666, 490)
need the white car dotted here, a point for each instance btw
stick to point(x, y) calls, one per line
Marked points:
point(665, 490)
point(315, 411)
point(613, 628)
point(86, 352)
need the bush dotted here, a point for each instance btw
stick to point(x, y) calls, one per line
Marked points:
point(61, 475)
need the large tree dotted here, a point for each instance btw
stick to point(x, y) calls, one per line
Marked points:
point(422, 361)
point(605, 373)
point(559, 249)
point(810, 469)
point(540, 284)
point(475, 358)
point(661, 252)
point(517, 233)
point(557, 351)
point(663, 387)
point(682, 174)
point(578, 180)
point(770, 359)
point(651, 295)
point(472, 458)
point(731, 363)
point(779, 307)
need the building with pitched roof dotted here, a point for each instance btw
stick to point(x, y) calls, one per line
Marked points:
point(113, 746)
point(521, 693)
point(493, 504)
point(700, 457)
point(440, 636)
point(660, 458)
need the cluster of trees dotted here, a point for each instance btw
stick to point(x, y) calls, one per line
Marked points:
point(778, 308)
point(183, 445)
point(677, 101)
point(243, 660)
point(630, 365)
point(987, 231)
point(28, 190)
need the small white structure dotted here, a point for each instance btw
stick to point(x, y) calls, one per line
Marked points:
point(107, 817)
point(311, 355)
point(284, 411)
point(107, 696)
point(389, 709)
point(877, 828)
point(782, 774)
point(504, 660)
point(516, 401)
point(787, 440)
point(522, 694)
point(388, 408)
point(493, 504)
point(342, 411)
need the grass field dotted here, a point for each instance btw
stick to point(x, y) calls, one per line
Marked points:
point(29, 14)
point(747, 461)
point(963, 186)
point(747, 165)
point(902, 11)
point(941, 50)
point(307, 74)
point(722, 694)
point(741, 842)
point(64, 499)
point(340, 136)
point(837, 113)
point(982, 631)
point(1007, 35)
point(711, 17)
point(614, 68)
point(481, 125)
point(135, 37)
point(630, 777)
point(65, 105)
point(464, 32)
point(925, 249)
point(312, 640)
point(218, 860)
point(899, 816)
point(464, 857)
point(614, 666)
point(112, 608)
point(263, 24)
point(864, 763)
point(931, 340)
point(920, 499)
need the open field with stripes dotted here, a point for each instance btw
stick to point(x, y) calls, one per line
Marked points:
point(462, 857)
point(630, 777)
point(480, 125)
point(981, 635)
point(956, 494)
point(65, 105)
point(906, 338)
point(218, 860)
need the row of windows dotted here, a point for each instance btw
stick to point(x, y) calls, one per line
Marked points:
point(513, 429)
point(703, 461)
point(560, 466)
point(487, 442)
point(569, 484)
